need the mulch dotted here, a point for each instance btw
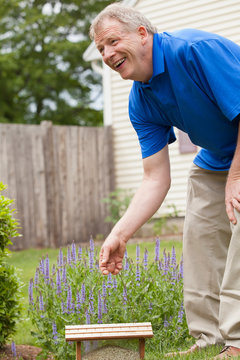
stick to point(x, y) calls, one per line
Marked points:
point(26, 352)
point(108, 352)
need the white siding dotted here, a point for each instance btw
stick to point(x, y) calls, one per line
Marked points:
point(219, 16)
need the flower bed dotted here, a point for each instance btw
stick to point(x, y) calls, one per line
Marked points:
point(74, 292)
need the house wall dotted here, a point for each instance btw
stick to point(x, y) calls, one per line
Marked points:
point(219, 16)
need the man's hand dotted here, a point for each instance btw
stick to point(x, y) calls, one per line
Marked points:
point(232, 198)
point(111, 255)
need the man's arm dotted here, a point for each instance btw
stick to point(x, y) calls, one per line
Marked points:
point(232, 191)
point(146, 201)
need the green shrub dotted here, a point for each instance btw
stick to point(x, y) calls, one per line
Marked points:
point(8, 225)
point(118, 202)
point(75, 292)
point(160, 225)
point(10, 308)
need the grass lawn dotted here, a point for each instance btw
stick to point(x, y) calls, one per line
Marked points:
point(27, 261)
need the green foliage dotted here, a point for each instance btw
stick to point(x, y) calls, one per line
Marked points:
point(10, 301)
point(8, 225)
point(118, 202)
point(76, 293)
point(161, 224)
point(43, 74)
point(10, 308)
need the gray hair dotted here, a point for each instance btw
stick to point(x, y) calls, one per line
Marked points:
point(130, 17)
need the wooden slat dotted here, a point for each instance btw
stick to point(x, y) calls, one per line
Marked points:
point(107, 336)
point(108, 331)
point(106, 326)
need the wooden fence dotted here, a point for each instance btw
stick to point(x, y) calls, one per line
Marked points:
point(58, 176)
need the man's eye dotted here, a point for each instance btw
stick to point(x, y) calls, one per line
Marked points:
point(114, 41)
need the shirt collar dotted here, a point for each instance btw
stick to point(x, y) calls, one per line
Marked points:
point(157, 58)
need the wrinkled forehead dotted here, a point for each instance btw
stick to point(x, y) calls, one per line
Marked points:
point(108, 25)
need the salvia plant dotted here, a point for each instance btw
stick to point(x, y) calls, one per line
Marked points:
point(74, 292)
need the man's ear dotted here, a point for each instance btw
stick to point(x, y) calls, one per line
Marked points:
point(142, 32)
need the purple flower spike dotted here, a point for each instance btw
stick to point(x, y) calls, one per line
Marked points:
point(13, 348)
point(36, 278)
point(157, 250)
point(126, 263)
point(64, 275)
point(173, 258)
point(138, 275)
point(91, 306)
point(104, 289)
point(47, 272)
point(160, 265)
point(30, 292)
point(41, 304)
point(181, 314)
point(99, 308)
point(78, 306)
point(181, 268)
point(166, 263)
point(150, 307)
point(42, 266)
point(60, 258)
point(125, 296)
point(79, 253)
point(74, 253)
point(145, 259)
point(55, 334)
point(109, 283)
point(58, 282)
point(87, 317)
point(166, 323)
point(91, 257)
point(83, 294)
point(114, 283)
point(138, 254)
point(53, 270)
point(69, 256)
point(69, 299)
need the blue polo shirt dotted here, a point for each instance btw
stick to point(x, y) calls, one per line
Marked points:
point(195, 87)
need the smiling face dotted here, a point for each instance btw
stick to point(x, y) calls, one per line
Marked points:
point(127, 52)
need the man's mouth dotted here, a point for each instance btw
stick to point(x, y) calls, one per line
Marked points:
point(119, 63)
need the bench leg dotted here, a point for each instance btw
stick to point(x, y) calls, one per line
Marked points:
point(141, 348)
point(78, 350)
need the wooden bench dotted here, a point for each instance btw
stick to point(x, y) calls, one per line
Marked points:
point(79, 333)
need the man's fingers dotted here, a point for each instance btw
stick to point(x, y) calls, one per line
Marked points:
point(119, 265)
point(236, 204)
point(230, 213)
point(104, 256)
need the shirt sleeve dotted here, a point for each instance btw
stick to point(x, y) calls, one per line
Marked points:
point(152, 136)
point(215, 66)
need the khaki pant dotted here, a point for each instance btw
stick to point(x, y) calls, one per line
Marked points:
point(211, 253)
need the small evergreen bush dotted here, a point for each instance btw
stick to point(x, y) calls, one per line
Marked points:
point(75, 292)
point(10, 308)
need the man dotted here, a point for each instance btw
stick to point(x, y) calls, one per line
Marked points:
point(189, 79)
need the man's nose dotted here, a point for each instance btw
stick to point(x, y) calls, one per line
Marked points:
point(108, 53)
